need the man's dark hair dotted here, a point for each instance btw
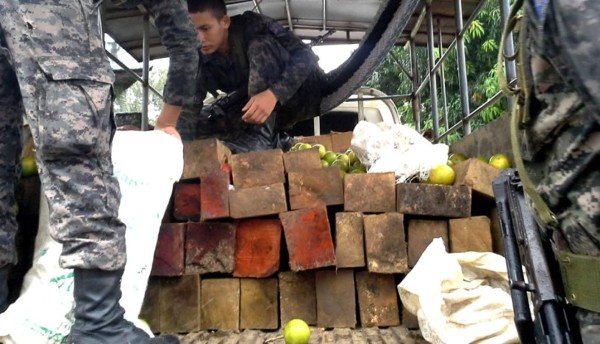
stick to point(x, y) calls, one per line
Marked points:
point(217, 7)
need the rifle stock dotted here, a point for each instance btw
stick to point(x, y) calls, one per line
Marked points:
point(525, 244)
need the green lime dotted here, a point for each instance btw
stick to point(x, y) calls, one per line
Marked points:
point(296, 331)
point(500, 161)
point(28, 166)
point(329, 157)
point(322, 150)
point(343, 165)
point(455, 158)
point(305, 146)
point(352, 156)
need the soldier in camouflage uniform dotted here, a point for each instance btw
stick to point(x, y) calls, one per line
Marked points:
point(561, 140)
point(254, 54)
point(53, 70)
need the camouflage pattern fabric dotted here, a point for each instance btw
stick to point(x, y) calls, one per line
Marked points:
point(11, 114)
point(178, 35)
point(55, 71)
point(277, 60)
point(562, 138)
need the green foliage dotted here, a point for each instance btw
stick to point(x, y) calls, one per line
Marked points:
point(474, 31)
point(489, 46)
point(130, 100)
point(481, 50)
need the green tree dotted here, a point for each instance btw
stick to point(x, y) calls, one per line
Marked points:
point(481, 51)
point(131, 99)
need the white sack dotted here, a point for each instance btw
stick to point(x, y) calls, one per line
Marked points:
point(146, 165)
point(396, 148)
point(460, 297)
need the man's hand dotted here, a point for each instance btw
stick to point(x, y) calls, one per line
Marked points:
point(258, 109)
point(171, 131)
point(167, 119)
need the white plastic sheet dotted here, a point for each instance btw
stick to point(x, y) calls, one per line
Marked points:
point(460, 297)
point(146, 165)
point(396, 148)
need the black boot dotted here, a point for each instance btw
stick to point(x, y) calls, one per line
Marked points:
point(4, 288)
point(98, 314)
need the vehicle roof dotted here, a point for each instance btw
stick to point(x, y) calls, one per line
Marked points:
point(350, 19)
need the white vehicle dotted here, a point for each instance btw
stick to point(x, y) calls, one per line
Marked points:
point(345, 116)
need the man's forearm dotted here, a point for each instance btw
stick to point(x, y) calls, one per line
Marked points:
point(178, 35)
point(168, 116)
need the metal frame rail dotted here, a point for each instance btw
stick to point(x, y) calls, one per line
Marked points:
point(434, 67)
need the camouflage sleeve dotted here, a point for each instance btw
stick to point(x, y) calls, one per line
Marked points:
point(178, 35)
point(302, 60)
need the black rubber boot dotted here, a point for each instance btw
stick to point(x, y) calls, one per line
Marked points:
point(4, 288)
point(98, 314)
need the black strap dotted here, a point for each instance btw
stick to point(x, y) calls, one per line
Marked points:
point(239, 48)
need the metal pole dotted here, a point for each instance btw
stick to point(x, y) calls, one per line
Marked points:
point(509, 48)
point(462, 69)
point(476, 112)
point(416, 96)
point(145, 72)
point(394, 96)
point(461, 33)
point(417, 26)
point(442, 76)
point(361, 107)
point(324, 14)
point(432, 81)
point(289, 15)
point(132, 73)
point(397, 61)
point(257, 6)
point(437, 66)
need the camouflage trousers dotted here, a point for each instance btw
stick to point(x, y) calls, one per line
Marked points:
point(72, 131)
point(562, 139)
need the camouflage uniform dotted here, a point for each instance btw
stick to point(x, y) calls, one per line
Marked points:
point(53, 70)
point(277, 60)
point(562, 139)
point(178, 35)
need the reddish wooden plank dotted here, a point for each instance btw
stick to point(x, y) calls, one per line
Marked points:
point(258, 246)
point(214, 196)
point(169, 252)
point(186, 201)
point(257, 201)
point(257, 168)
point(370, 192)
point(308, 238)
point(210, 247)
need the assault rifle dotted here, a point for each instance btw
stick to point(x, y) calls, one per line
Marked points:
point(225, 114)
point(525, 243)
